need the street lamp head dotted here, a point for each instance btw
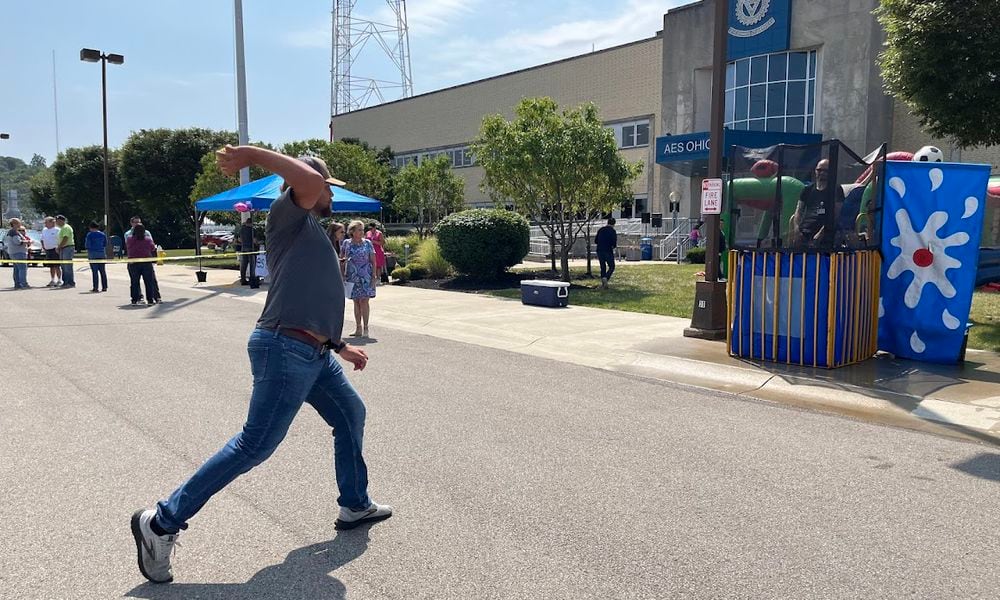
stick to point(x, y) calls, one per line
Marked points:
point(88, 55)
point(4, 136)
point(116, 59)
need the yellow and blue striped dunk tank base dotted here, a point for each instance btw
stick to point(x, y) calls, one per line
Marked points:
point(816, 309)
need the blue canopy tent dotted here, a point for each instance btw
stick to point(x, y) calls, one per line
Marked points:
point(262, 192)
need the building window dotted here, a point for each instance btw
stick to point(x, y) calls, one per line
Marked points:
point(634, 134)
point(772, 92)
point(459, 156)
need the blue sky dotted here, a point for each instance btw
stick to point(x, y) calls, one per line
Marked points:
point(178, 69)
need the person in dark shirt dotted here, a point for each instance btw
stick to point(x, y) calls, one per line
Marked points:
point(606, 241)
point(248, 262)
point(810, 213)
point(292, 360)
point(140, 246)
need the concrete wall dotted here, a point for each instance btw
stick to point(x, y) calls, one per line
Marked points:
point(624, 82)
point(851, 104)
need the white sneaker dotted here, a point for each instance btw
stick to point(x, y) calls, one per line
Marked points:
point(349, 519)
point(153, 550)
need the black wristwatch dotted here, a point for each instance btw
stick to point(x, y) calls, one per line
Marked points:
point(336, 346)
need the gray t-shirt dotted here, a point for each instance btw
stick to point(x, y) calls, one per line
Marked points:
point(307, 289)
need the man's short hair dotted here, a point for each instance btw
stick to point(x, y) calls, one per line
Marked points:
point(47, 219)
point(134, 219)
point(611, 220)
point(60, 218)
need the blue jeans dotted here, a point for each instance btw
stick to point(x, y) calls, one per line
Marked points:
point(98, 269)
point(286, 373)
point(20, 270)
point(67, 253)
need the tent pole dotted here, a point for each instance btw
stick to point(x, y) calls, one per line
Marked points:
point(197, 246)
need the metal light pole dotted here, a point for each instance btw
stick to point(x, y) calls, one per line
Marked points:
point(709, 318)
point(88, 55)
point(3, 136)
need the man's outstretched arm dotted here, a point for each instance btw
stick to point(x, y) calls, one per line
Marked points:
point(307, 183)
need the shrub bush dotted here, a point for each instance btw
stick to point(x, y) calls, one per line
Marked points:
point(417, 269)
point(483, 242)
point(396, 245)
point(696, 256)
point(430, 256)
point(401, 274)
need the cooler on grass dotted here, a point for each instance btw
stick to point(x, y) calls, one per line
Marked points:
point(544, 293)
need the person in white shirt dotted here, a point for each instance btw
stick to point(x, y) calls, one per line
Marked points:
point(50, 244)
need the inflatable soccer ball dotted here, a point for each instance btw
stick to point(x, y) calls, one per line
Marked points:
point(929, 154)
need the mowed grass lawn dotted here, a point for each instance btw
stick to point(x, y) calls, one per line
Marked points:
point(207, 258)
point(666, 289)
point(986, 315)
point(660, 289)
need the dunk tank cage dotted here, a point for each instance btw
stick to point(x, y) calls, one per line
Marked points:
point(803, 224)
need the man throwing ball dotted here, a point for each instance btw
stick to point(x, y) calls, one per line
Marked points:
point(292, 361)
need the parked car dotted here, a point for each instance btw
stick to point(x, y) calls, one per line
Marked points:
point(222, 239)
point(34, 252)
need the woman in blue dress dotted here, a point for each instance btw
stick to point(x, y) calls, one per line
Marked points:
point(358, 255)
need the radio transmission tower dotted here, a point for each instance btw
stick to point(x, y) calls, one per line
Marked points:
point(351, 91)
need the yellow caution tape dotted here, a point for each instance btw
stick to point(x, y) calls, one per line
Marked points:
point(109, 261)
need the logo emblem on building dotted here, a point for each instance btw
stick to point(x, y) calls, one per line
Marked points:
point(750, 13)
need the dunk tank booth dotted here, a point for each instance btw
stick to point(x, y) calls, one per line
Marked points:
point(803, 286)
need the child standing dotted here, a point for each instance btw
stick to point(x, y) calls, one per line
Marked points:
point(96, 243)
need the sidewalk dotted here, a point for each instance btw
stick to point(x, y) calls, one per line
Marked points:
point(961, 401)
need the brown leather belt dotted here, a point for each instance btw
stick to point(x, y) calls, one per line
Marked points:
point(301, 336)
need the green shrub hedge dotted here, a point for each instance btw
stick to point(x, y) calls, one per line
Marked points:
point(401, 274)
point(429, 255)
point(417, 269)
point(696, 256)
point(483, 242)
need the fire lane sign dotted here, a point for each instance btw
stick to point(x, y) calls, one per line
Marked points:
point(711, 197)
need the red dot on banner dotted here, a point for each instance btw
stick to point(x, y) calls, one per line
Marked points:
point(923, 258)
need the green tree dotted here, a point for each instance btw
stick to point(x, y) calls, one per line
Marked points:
point(941, 59)
point(359, 167)
point(78, 189)
point(559, 168)
point(42, 187)
point(158, 167)
point(15, 176)
point(428, 192)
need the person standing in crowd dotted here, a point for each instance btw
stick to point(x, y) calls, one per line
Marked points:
point(248, 262)
point(67, 250)
point(378, 242)
point(606, 242)
point(336, 233)
point(291, 362)
point(132, 223)
point(18, 244)
point(50, 244)
point(139, 245)
point(96, 243)
point(359, 270)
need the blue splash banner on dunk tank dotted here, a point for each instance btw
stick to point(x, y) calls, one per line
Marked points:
point(932, 223)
